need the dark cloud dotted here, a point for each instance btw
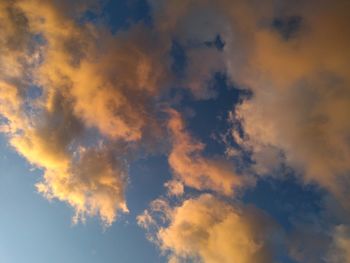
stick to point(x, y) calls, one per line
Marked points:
point(287, 27)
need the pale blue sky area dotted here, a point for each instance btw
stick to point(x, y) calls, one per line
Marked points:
point(34, 230)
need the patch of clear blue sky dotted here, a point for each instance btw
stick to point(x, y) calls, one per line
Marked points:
point(121, 14)
point(33, 230)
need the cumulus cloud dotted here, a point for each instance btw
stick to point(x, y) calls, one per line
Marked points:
point(300, 95)
point(206, 229)
point(118, 75)
point(92, 180)
point(193, 168)
point(93, 184)
point(77, 101)
point(294, 58)
point(73, 95)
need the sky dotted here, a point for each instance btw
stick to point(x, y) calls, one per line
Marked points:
point(145, 131)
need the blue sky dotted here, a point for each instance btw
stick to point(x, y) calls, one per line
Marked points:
point(28, 221)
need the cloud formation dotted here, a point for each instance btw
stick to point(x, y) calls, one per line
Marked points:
point(73, 95)
point(195, 170)
point(341, 245)
point(80, 102)
point(301, 94)
point(294, 58)
point(206, 229)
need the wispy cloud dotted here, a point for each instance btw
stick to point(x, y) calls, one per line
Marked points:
point(193, 168)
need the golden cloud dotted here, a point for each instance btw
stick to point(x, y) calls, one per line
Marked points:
point(294, 57)
point(206, 229)
point(90, 81)
point(193, 168)
point(301, 96)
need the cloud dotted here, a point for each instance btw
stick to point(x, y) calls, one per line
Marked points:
point(94, 185)
point(175, 188)
point(206, 229)
point(92, 180)
point(309, 240)
point(99, 103)
point(341, 245)
point(73, 95)
point(191, 167)
point(294, 58)
point(118, 75)
point(301, 95)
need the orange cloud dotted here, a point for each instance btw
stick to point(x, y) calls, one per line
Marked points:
point(175, 188)
point(91, 180)
point(298, 112)
point(301, 96)
point(90, 81)
point(206, 229)
point(195, 170)
point(298, 73)
point(118, 75)
point(93, 185)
